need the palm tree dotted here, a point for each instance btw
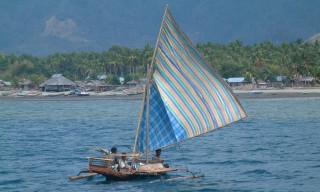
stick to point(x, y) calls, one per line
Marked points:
point(115, 62)
point(81, 70)
point(36, 79)
point(132, 59)
point(146, 57)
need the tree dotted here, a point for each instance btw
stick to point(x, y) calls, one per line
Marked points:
point(37, 79)
point(147, 53)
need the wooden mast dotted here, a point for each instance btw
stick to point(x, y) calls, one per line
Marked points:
point(139, 122)
point(146, 97)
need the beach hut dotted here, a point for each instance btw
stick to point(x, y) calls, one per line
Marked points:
point(26, 85)
point(261, 84)
point(132, 84)
point(2, 84)
point(236, 81)
point(5, 85)
point(96, 85)
point(299, 80)
point(306, 80)
point(280, 81)
point(281, 78)
point(57, 83)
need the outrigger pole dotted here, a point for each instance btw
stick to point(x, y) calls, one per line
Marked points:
point(147, 95)
point(83, 176)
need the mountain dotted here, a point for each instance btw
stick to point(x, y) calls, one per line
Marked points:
point(42, 27)
point(314, 38)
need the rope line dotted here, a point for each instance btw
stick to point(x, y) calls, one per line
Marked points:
point(185, 163)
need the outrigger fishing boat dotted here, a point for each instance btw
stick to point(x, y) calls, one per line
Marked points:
point(184, 98)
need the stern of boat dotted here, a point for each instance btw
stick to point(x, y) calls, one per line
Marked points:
point(99, 165)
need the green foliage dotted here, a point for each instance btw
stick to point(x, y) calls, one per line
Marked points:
point(127, 78)
point(16, 82)
point(37, 79)
point(3, 63)
point(264, 60)
point(113, 80)
point(261, 61)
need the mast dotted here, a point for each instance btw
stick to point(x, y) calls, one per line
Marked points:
point(146, 97)
point(139, 122)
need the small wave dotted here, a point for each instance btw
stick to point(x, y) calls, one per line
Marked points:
point(314, 166)
point(4, 172)
point(248, 162)
point(15, 181)
point(248, 137)
point(226, 162)
point(258, 149)
point(257, 171)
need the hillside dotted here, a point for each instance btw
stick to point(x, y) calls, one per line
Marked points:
point(314, 38)
point(42, 27)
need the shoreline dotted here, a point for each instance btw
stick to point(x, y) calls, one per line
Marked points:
point(110, 95)
point(278, 93)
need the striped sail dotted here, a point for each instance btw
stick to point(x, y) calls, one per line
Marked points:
point(187, 97)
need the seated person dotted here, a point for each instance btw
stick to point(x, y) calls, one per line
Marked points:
point(123, 164)
point(157, 158)
point(113, 156)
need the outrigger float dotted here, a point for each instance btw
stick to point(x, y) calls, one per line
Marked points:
point(184, 98)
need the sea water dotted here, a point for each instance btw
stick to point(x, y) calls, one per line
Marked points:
point(43, 142)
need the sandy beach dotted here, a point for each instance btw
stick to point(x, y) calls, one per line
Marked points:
point(32, 95)
point(256, 93)
point(278, 93)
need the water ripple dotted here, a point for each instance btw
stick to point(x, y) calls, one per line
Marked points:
point(275, 149)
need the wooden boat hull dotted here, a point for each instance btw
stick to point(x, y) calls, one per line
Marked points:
point(125, 174)
point(126, 177)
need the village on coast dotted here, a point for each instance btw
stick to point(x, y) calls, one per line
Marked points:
point(58, 85)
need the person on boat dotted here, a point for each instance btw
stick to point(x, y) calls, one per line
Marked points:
point(157, 158)
point(113, 156)
point(123, 164)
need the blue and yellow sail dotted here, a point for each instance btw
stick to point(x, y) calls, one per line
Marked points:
point(187, 98)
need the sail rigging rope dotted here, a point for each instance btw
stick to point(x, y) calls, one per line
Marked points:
point(185, 163)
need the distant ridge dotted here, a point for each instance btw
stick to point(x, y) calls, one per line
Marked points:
point(314, 38)
point(42, 28)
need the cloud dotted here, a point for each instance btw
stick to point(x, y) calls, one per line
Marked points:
point(63, 29)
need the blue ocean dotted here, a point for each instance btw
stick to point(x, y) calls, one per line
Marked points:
point(43, 142)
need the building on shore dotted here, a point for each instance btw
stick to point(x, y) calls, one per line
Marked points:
point(5, 85)
point(96, 85)
point(57, 83)
point(26, 85)
point(258, 83)
point(236, 81)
